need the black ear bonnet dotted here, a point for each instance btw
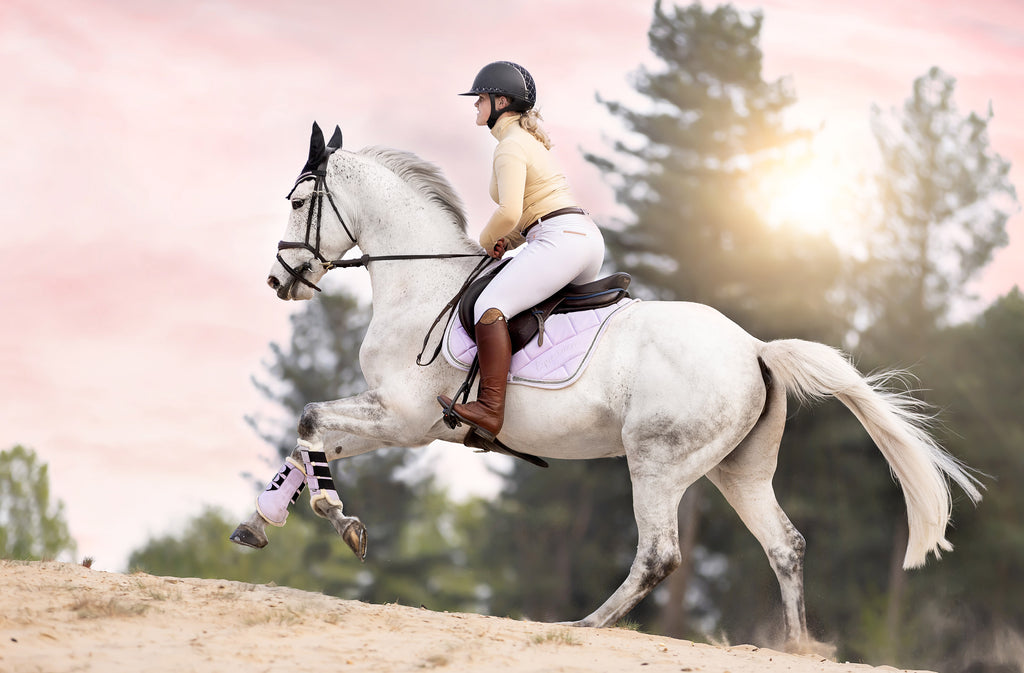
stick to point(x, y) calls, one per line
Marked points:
point(319, 153)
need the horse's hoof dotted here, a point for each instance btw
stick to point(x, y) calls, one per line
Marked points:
point(247, 537)
point(354, 535)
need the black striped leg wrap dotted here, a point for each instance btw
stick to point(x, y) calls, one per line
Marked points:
point(318, 476)
point(282, 491)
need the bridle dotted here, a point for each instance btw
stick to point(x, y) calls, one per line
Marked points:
point(311, 241)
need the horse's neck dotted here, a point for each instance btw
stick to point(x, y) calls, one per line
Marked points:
point(417, 286)
point(399, 220)
point(408, 297)
point(409, 294)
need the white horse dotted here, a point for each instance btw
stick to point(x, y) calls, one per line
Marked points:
point(677, 388)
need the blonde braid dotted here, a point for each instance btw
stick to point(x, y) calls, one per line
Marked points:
point(530, 121)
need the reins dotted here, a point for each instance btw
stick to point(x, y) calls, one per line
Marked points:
point(447, 312)
point(365, 259)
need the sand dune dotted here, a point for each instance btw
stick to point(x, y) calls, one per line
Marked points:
point(57, 618)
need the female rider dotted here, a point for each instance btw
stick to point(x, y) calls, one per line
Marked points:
point(563, 245)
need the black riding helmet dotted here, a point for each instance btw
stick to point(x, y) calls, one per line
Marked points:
point(504, 78)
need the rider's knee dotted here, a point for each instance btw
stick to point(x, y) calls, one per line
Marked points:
point(491, 316)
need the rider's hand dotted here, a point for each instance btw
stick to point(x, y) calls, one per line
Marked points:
point(499, 249)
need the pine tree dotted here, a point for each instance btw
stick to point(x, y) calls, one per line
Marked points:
point(685, 172)
point(945, 197)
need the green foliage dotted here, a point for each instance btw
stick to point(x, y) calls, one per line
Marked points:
point(711, 123)
point(944, 197)
point(392, 498)
point(202, 549)
point(31, 526)
point(954, 613)
point(320, 363)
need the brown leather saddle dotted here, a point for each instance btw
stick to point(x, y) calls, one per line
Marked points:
point(528, 324)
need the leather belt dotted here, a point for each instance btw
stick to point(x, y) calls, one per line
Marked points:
point(554, 213)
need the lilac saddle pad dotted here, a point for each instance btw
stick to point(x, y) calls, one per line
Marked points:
point(569, 342)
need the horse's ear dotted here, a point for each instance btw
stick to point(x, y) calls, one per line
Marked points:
point(335, 143)
point(316, 146)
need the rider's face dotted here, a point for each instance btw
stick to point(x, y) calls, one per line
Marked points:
point(483, 109)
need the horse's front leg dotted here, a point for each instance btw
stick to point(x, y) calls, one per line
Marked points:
point(327, 431)
point(305, 466)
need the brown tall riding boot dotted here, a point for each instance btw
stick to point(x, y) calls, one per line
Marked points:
point(494, 348)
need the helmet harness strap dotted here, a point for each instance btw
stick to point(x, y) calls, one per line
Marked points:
point(495, 112)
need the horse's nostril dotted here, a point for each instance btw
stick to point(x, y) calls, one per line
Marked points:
point(273, 282)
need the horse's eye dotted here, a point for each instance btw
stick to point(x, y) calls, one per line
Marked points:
point(297, 203)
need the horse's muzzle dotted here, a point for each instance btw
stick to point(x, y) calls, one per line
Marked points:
point(283, 290)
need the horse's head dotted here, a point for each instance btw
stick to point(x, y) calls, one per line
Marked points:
point(310, 243)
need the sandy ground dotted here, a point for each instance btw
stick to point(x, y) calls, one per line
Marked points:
point(57, 617)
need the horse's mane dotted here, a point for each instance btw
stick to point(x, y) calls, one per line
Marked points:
point(422, 176)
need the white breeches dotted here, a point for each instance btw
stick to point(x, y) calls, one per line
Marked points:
point(565, 249)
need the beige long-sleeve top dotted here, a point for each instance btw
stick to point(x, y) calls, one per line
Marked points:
point(526, 183)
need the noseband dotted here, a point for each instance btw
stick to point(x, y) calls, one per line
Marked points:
point(311, 241)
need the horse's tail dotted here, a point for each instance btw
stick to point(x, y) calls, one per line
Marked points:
point(896, 421)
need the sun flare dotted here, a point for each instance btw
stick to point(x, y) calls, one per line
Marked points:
point(806, 201)
point(813, 195)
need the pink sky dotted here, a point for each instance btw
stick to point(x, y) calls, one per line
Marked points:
point(148, 147)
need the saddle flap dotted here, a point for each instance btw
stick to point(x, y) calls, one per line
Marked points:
point(468, 301)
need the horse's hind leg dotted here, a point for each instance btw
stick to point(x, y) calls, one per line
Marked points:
point(745, 479)
point(755, 502)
